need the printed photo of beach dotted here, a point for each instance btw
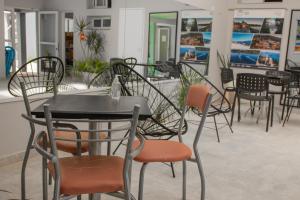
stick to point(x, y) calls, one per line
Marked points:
point(202, 53)
point(245, 57)
point(241, 40)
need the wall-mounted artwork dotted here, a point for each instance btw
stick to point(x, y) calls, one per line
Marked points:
point(297, 42)
point(196, 28)
point(256, 38)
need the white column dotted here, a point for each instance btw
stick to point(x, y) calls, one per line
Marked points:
point(2, 51)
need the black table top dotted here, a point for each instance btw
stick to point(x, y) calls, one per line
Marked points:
point(93, 107)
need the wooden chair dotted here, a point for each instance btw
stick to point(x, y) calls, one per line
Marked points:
point(156, 151)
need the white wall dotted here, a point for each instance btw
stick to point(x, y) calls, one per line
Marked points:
point(28, 4)
point(2, 51)
point(111, 36)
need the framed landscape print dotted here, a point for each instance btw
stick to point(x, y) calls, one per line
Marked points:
point(256, 38)
point(293, 52)
point(195, 39)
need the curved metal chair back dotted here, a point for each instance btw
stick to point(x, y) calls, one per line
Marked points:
point(251, 83)
point(226, 76)
point(40, 142)
point(131, 62)
point(165, 120)
point(189, 75)
point(10, 55)
point(38, 76)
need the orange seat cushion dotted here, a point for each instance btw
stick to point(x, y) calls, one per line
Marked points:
point(85, 175)
point(71, 146)
point(162, 151)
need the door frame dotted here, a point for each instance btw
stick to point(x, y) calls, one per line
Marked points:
point(176, 32)
point(56, 42)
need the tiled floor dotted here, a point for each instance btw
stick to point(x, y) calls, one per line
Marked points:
point(247, 165)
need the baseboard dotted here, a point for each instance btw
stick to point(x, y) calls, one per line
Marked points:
point(14, 158)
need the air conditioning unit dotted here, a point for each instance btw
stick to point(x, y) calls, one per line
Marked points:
point(102, 4)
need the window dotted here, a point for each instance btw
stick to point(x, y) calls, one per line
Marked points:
point(100, 3)
point(101, 22)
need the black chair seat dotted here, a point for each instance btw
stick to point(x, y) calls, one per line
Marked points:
point(251, 97)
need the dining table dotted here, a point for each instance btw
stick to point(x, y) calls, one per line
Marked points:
point(93, 107)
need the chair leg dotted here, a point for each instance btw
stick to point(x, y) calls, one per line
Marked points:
point(269, 112)
point(227, 122)
point(217, 131)
point(233, 109)
point(184, 180)
point(173, 171)
point(239, 109)
point(283, 108)
point(287, 112)
point(24, 165)
point(272, 111)
point(201, 172)
point(45, 170)
point(291, 109)
point(141, 183)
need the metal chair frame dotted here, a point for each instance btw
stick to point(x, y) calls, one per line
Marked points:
point(166, 116)
point(197, 158)
point(253, 87)
point(49, 68)
point(53, 157)
point(279, 82)
point(29, 146)
point(220, 104)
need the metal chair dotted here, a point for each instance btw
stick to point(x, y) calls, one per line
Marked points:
point(38, 82)
point(10, 55)
point(278, 79)
point(78, 175)
point(227, 77)
point(220, 104)
point(165, 119)
point(293, 97)
point(36, 75)
point(252, 87)
point(155, 151)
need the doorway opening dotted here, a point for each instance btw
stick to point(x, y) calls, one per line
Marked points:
point(69, 42)
point(20, 33)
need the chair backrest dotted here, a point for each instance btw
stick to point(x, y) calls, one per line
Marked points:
point(38, 76)
point(126, 125)
point(165, 119)
point(189, 76)
point(10, 55)
point(251, 83)
point(278, 78)
point(198, 97)
point(226, 76)
point(131, 62)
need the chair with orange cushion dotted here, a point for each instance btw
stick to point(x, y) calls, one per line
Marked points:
point(156, 151)
point(42, 76)
point(79, 175)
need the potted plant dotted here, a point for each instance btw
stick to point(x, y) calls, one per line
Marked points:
point(92, 46)
point(226, 69)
